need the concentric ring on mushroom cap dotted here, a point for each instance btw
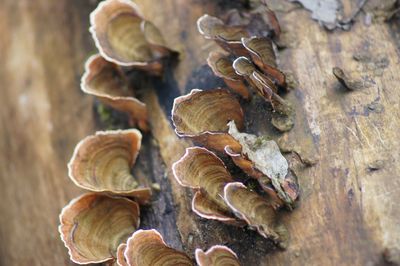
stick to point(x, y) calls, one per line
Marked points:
point(205, 207)
point(102, 163)
point(254, 209)
point(203, 116)
point(115, 27)
point(263, 55)
point(121, 261)
point(106, 81)
point(93, 225)
point(217, 256)
point(199, 168)
point(222, 67)
point(226, 36)
point(147, 248)
point(211, 28)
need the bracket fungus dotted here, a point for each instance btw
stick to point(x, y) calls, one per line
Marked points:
point(346, 80)
point(124, 37)
point(202, 170)
point(262, 54)
point(263, 156)
point(121, 261)
point(226, 36)
point(203, 116)
point(102, 163)
point(221, 65)
point(238, 25)
point(94, 225)
point(256, 211)
point(217, 256)
point(283, 118)
point(106, 81)
point(147, 248)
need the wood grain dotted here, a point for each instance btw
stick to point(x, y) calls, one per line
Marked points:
point(347, 215)
point(43, 115)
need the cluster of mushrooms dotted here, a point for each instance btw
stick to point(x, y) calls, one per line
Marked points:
point(214, 119)
point(103, 225)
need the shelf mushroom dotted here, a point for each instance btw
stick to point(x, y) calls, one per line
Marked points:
point(107, 82)
point(221, 65)
point(201, 170)
point(102, 163)
point(124, 37)
point(203, 116)
point(92, 226)
point(256, 211)
point(147, 248)
point(217, 256)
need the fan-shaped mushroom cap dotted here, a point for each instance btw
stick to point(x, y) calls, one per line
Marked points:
point(121, 261)
point(211, 27)
point(262, 53)
point(147, 248)
point(204, 206)
point(203, 116)
point(264, 86)
point(116, 26)
point(266, 158)
point(228, 37)
point(106, 81)
point(202, 170)
point(102, 163)
point(155, 39)
point(217, 256)
point(254, 209)
point(93, 225)
point(221, 65)
point(283, 119)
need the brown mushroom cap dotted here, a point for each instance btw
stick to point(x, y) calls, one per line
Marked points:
point(200, 168)
point(155, 39)
point(221, 65)
point(117, 29)
point(211, 28)
point(262, 53)
point(204, 206)
point(228, 37)
point(102, 163)
point(121, 261)
point(106, 81)
point(217, 256)
point(243, 66)
point(283, 119)
point(147, 248)
point(254, 209)
point(93, 225)
point(203, 116)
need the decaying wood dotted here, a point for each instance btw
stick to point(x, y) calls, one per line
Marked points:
point(346, 215)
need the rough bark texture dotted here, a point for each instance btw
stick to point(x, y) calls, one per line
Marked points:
point(348, 212)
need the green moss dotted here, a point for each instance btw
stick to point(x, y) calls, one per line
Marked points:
point(108, 117)
point(261, 140)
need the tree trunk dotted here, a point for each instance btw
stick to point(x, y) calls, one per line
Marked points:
point(347, 213)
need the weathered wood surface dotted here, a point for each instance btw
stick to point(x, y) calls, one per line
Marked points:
point(347, 214)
